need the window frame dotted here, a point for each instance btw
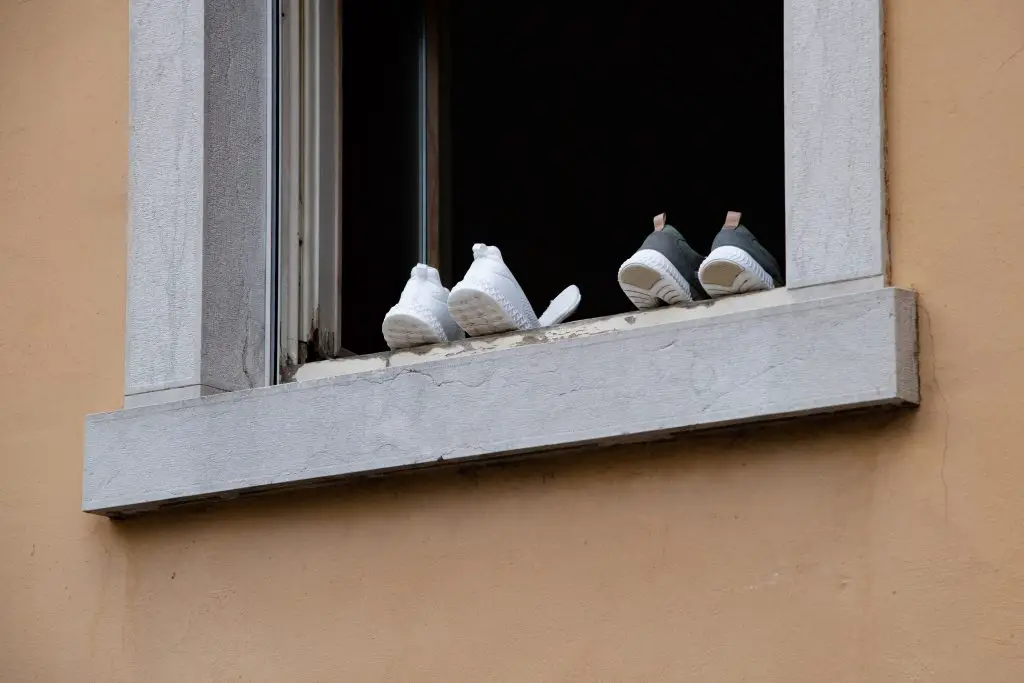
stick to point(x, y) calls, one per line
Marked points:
point(308, 234)
point(201, 207)
point(309, 130)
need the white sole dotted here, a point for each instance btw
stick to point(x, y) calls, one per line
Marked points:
point(479, 311)
point(407, 329)
point(561, 307)
point(649, 279)
point(730, 270)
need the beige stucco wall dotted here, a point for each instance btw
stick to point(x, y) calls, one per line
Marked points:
point(873, 548)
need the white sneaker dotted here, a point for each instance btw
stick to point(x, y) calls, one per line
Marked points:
point(421, 314)
point(488, 300)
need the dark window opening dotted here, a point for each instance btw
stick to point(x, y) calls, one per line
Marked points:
point(564, 131)
point(379, 152)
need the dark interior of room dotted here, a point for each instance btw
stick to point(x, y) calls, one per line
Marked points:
point(568, 130)
point(380, 163)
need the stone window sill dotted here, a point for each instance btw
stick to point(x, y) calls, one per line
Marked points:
point(632, 377)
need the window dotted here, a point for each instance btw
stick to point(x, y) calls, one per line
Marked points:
point(203, 419)
point(572, 126)
point(551, 131)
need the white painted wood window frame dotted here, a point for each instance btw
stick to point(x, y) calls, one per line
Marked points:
point(309, 200)
point(203, 419)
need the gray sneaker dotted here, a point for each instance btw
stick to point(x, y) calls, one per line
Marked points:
point(738, 263)
point(663, 271)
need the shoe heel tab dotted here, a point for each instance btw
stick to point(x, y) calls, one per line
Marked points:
point(659, 221)
point(732, 220)
point(425, 273)
point(481, 250)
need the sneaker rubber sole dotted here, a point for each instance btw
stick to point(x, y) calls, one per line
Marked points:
point(730, 270)
point(406, 329)
point(648, 279)
point(480, 311)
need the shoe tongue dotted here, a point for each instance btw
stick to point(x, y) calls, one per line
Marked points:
point(424, 272)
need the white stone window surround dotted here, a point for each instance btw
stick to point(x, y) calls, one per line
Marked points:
point(202, 422)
